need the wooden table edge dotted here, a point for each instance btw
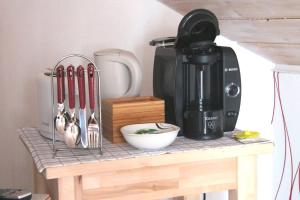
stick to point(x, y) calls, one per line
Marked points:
point(158, 160)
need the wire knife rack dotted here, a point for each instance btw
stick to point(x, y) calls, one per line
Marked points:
point(81, 150)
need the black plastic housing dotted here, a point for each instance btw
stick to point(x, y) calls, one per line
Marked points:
point(168, 84)
point(199, 81)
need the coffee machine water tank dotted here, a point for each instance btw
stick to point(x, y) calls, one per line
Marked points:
point(202, 80)
point(199, 81)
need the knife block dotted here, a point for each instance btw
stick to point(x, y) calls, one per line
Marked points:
point(117, 113)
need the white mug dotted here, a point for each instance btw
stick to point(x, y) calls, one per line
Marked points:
point(120, 73)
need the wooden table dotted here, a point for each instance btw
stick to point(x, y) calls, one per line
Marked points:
point(187, 173)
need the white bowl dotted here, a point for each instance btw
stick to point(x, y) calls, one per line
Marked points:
point(150, 141)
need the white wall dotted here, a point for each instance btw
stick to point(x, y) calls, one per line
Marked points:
point(34, 34)
point(256, 110)
point(256, 114)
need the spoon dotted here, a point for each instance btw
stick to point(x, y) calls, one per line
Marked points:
point(162, 126)
point(72, 138)
point(62, 116)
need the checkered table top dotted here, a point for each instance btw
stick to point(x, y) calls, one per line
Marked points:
point(42, 153)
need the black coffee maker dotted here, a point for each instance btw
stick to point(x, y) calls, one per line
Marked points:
point(199, 81)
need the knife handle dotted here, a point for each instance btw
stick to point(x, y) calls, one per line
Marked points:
point(91, 77)
point(81, 86)
point(71, 86)
point(60, 84)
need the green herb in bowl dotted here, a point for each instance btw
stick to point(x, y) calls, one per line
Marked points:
point(146, 131)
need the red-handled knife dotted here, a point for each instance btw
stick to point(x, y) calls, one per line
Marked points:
point(71, 86)
point(82, 110)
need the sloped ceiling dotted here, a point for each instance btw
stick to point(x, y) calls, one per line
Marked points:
point(270, 28)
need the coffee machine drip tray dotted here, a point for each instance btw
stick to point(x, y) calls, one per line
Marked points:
point(203, 125)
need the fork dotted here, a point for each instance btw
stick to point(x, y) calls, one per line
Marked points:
point(93, 132)
point(93, 126)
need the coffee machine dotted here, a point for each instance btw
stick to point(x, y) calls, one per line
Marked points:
point(199, 81)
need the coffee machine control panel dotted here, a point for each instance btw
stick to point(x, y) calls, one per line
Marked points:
point(232, 90)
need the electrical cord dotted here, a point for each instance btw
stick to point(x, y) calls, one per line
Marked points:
point(274, 95)
point(286, 135)
point(284, 159)
point(294, 179)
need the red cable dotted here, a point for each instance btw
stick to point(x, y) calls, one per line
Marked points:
point(294, 179)
point(284, 160)
point(285, 125)
point(284, 121)
point(283, 169)
point(274, 95)
point(286, 134)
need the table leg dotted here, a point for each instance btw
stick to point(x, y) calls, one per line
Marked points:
point(70, 188)
point(192, 197)
point(188, 197)
point(40, 185)
point(232, 195)
point(246, 179)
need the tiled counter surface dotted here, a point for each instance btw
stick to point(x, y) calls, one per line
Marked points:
point(41, 150)
point(182, 153)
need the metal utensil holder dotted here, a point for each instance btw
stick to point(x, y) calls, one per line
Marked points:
point(98, 92)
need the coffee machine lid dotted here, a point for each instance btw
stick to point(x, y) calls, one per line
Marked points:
point(197, 26)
